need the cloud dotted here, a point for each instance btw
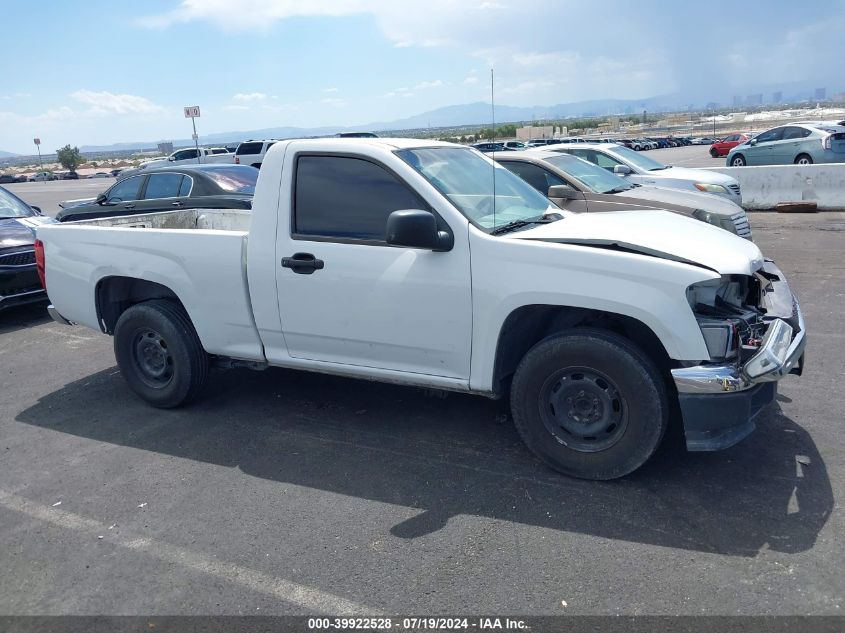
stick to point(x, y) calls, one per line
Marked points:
point(105, 102)
point(234, 108)
point(16, 95)
point(425, 85)
point(330, 90)
point(333, 101)
point(249, 96)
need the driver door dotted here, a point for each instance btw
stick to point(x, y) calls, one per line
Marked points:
point(361, 301)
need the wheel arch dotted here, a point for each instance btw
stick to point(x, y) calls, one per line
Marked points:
point(115, 294)
point(527, 325)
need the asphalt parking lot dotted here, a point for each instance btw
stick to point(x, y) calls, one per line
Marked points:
point(284, 492)
point(47, 195)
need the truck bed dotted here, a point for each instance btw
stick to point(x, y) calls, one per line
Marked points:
point(198, 254)
point(185, 219)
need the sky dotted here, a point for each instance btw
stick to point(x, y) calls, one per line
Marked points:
point(95, 72)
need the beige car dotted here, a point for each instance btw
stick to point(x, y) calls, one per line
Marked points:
point(580, 186)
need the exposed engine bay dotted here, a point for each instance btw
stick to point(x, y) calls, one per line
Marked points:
point(734, 312)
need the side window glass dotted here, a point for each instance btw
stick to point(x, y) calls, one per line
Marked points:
point(771, 135)
point(347, 198)
point(186, 186)
point(535, 176)
point(163, 186)
point(125, 190)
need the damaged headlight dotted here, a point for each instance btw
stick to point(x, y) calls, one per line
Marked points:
point(715, 219)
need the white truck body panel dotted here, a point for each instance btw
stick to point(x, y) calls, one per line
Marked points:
point(397, 314)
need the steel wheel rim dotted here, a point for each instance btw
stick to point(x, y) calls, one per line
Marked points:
point(738, 162)
point(583, 409)
point(152, 357)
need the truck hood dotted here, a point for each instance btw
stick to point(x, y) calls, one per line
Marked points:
point(656, 234)
point(651, 194)
point(16, 232)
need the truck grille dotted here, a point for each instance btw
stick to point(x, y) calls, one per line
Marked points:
point(735, 189)
point(21, 258)
point(743, 229)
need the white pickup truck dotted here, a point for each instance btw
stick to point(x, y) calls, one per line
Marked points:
point(427, 264)
point(192, 156)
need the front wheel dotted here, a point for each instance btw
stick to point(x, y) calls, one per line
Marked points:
point(714, 153)
point(738, 161)
point(159, 353)
point(804, 159)
point(589, 404)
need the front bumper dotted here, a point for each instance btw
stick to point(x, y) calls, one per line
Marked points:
point(19, 285)
point(719, 402)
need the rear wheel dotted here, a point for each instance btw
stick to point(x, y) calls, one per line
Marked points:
point(738, 161)
point(159, 353)
point(714, 152)
point(804, 159)
point(589, 404)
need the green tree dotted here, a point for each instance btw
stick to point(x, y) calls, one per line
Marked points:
point(69, 157)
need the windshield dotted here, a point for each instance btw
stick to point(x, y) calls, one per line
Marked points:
point(235, 179)
point(12, 207)
point(599, 180)
point(469, 181)
point(636, 158)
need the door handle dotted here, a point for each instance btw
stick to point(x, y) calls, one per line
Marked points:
point(178, 204)
point(302, 263)
point(129, 206)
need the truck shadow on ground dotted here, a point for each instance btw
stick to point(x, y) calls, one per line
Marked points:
point(461, 455)
point(20, 317)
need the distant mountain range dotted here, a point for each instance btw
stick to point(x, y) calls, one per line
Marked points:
point(7, 155)
point(478, 113)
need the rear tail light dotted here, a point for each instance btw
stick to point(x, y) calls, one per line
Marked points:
point(237, 161)
point(826, 141)
point(39, 263)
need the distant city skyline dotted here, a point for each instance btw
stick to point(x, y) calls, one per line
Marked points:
point(265, 63)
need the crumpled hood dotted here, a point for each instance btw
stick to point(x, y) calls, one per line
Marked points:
point(656, 233)
point(16, 232)
point(692, 199)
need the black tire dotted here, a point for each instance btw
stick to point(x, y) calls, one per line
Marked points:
point(803, 159)
point(714, 153)
point(159, 353)
point(625, 409)
point(738, 160)
point(257, 165)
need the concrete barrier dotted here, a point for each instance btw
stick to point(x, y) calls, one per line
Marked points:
point(765, 187)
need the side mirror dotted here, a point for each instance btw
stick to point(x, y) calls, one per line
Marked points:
point(101, 199)
point(37, 210)
point(170, 159)
point(753, 141)
point(416, 228)
point(622, 170)
point(564, 191)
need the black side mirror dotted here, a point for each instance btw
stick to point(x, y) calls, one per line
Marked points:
point(564, 191)
point(416, 228)
point(101, 199)
point(37, 210)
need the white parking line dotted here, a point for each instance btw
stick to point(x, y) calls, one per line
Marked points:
point(309, 598)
